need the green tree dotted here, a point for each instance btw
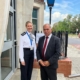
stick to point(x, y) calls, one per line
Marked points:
point(70, 24)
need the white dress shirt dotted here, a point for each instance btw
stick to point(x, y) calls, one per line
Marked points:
point(25, 43)
point(49, 37)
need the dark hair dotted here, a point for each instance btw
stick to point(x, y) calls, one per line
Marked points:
point(27, 23)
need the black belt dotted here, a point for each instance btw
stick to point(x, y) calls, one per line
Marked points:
point(27, 49)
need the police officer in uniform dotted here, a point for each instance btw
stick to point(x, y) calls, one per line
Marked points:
point(27, 52)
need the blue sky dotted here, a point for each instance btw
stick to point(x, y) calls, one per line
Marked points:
point(61, 9)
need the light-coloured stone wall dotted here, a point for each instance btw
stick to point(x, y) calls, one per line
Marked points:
point(4, 14)
point(40, 7)
point(24, 13)
point(24, 10)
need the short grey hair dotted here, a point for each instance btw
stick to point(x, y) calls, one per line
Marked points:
point(47, 24)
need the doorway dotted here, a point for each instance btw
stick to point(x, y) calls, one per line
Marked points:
point(8, 56)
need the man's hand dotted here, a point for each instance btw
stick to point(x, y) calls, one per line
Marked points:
point(41, 62)
point(46, 63)
point(23, 63)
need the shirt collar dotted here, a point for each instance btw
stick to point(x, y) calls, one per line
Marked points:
point(49, 35)
point(28, 32)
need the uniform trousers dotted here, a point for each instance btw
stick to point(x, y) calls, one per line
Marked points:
point(26, 71)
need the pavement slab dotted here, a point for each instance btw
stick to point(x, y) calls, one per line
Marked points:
point(35, 75)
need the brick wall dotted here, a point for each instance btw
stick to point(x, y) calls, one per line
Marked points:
point(64, 66)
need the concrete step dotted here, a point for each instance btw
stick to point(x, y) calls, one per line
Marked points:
point(60, 76)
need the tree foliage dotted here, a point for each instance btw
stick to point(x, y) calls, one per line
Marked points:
point(69, 24)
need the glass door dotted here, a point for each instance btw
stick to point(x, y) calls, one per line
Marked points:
point(8, 56)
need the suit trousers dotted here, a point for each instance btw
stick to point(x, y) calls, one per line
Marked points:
point(26, 71)
point(48, 73)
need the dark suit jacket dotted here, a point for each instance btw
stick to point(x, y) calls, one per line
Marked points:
point(52, 51)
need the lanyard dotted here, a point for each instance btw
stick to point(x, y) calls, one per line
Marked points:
point(30, 39)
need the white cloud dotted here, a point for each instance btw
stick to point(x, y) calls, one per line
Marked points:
point(56, 16)
point(64, 4)
point(45, 3)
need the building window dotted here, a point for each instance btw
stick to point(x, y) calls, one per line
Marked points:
point(11, 3)
point(34, 14)
point(35, 19)
point(8, 32)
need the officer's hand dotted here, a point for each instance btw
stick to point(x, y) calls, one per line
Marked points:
point(23, 63)
point(41, 62)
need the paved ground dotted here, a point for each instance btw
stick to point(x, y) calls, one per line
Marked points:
point(76, 46)
point(35, 75)
point(73, 54)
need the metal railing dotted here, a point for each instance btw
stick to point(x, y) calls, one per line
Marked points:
point(64, 41)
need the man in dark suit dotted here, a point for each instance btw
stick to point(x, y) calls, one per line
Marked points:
point(48, 52)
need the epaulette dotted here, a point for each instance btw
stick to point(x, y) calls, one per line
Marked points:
point(23, 33)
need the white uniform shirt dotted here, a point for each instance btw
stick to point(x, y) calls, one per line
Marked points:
point(25, 43)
